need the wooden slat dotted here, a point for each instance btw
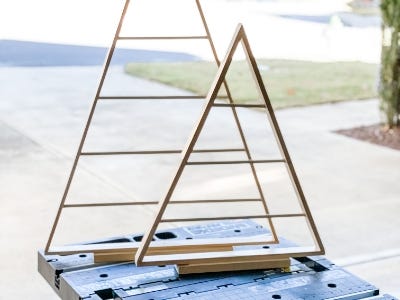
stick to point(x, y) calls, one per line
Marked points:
point(191, 37)
point(151, 152)
point(144, 152)
point(130, 254)
point(218, 150)
point(203, 260)
point(229, 256)
point(234, 266)
point(231, 162)
point(180, 97)
point(231, 218)
point(239, 105)
point(99, 204)
point(114, 257)
point(133, 203)
point(168, 246)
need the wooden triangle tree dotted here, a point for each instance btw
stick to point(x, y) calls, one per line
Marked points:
point(197, 253)
point(128, 249)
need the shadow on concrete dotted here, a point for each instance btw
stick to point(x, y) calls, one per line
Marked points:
point(34, 54)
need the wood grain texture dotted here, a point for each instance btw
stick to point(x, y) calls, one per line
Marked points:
point(234, 266)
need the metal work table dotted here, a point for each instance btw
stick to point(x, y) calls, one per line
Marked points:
point(76, 276)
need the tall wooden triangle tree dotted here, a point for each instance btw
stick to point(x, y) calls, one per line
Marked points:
point(119, 36)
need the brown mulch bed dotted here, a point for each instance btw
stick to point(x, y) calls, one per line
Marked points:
point(376, 134)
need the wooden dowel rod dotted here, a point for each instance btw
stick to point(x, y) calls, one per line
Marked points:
point(232, 218)
point(131, 152)
point(193, 37)
point(239, 105)
point(218, 150)
point(228, 162)
point(189, 97)
point(214, 201)
point(160, 151)
point(110, 204)
point(156, 202)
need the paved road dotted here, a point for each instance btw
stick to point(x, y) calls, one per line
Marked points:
point(351, 185)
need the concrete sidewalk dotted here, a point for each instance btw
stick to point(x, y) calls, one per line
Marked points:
point(351, 186)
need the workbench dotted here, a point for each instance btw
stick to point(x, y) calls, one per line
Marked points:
point(76, 277)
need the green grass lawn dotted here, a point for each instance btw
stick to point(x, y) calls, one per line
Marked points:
point(289, 83)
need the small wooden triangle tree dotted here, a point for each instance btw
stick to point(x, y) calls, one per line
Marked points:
point(195, 252)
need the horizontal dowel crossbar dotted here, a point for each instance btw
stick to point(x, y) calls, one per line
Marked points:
point(232, 218)
point(110, 204)
point(239, 105)
point(190, 37)
point(130, 152)
point(172, 97)
point(156, 202)
point(218, 150)
point(232, 162)
point(87, 153)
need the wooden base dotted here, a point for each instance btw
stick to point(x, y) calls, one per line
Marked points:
point(235, 266)
point(127, 254)
point(202, 268)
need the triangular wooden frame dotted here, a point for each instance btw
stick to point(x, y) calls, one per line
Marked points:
point(122, 251)
point(186, 253)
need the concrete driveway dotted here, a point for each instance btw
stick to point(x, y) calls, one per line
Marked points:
point(351, 186)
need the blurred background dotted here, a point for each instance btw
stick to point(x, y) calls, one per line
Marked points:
point(321, 63)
